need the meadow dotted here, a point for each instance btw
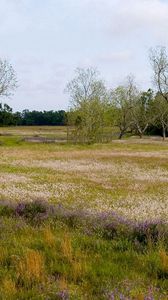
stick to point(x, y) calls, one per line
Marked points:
point(82, 221)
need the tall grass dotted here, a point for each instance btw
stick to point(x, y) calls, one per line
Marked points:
point(58, 253)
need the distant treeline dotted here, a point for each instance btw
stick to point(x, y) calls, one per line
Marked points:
point(30, 118)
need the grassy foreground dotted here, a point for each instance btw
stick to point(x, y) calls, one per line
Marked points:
point(99, 227)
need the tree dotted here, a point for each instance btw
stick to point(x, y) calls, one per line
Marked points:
point(123, 98)
point(8, 80)
point(122, 108)
point(141, 116)
point(42, 117)
point(88, 97)
point(6, 116)
point(159, 63)
point(160, 114)
point(85, 86)
point(7, 84)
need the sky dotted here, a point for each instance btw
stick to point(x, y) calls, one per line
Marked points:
point(46, 40)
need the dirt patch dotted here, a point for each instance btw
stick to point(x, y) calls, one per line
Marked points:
point(43, 140)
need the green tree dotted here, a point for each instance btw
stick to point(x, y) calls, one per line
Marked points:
point(123, 99)
point(141, 116)
point(6, 116)
point(160, 114)
point(88, 97)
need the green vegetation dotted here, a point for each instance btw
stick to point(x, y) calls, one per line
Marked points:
point(31, 118)
point(86, 219)
point(94, 107)
point(82, 221)
point(101, 114)
point(54, 261)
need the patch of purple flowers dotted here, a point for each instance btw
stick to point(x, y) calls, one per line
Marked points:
point(63, 295)
point(116, 294)
point(106, 224)
point(37, 210)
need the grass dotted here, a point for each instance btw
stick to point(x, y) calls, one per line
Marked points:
point(53, 258)
point(71, 257)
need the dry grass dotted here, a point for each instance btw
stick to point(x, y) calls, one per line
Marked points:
point(130, 177)
point(78, 270)
point(63, 284)
point(8, 288)
point(49, 237)
point(30, 268)
point(164, 260)
point(66, 247)
point(3, 254)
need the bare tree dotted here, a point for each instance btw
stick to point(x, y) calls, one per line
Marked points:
point(159, 62)
point(8, 80)
point(85, 86)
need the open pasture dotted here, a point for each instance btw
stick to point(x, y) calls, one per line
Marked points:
point(130, 177)
point(74, 253)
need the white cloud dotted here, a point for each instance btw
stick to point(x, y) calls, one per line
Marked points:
point(115, 57)
point(123, 18)
point(47, 40)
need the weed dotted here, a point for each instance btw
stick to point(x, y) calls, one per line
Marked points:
point(66, 247)
point(30, 269)
point(8, 288)
point(49, 237)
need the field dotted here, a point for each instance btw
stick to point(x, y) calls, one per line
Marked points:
point(82, 221)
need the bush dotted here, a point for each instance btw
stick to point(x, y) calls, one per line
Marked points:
point(34, 211)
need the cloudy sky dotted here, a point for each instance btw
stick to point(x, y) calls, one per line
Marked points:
point(45, 40)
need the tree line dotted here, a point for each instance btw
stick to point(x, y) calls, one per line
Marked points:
point(31, 118)
point(97, 111)
point(124, 109)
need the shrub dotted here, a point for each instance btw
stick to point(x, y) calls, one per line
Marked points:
point(6, 209)
point(36, 211)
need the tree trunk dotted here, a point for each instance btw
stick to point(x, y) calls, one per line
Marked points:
point(121, 135)
point(67, 133)
point(163, 133)
point(139, 132)
point(142, 131)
